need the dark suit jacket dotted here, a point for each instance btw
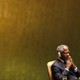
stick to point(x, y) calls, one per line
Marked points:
point(58, 71)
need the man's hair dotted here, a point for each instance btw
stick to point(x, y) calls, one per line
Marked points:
point(60, 48)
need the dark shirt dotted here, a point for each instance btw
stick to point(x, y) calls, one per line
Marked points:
point(59, 71)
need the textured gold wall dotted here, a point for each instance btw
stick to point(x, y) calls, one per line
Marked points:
point(30, 31)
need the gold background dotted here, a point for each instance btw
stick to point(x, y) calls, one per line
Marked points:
point(30, 31)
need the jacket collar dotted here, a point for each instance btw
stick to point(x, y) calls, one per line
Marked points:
point(61, 60)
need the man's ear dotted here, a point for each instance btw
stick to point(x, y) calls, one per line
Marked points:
point(59, 54)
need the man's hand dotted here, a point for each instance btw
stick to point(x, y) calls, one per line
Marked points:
point(73, 65)
point(69, 62)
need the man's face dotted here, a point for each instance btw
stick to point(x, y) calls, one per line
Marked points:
point(65, 54)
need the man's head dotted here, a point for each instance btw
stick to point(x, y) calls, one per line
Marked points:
point(63, 51)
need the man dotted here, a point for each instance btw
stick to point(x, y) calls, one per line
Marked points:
point(64, 66)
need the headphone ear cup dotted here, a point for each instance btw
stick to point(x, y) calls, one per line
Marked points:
point(59, 54)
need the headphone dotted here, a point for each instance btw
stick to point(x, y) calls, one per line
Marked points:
point(59, 54)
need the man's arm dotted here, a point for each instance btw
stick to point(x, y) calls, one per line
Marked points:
point(75, 70)
point(77, 73)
